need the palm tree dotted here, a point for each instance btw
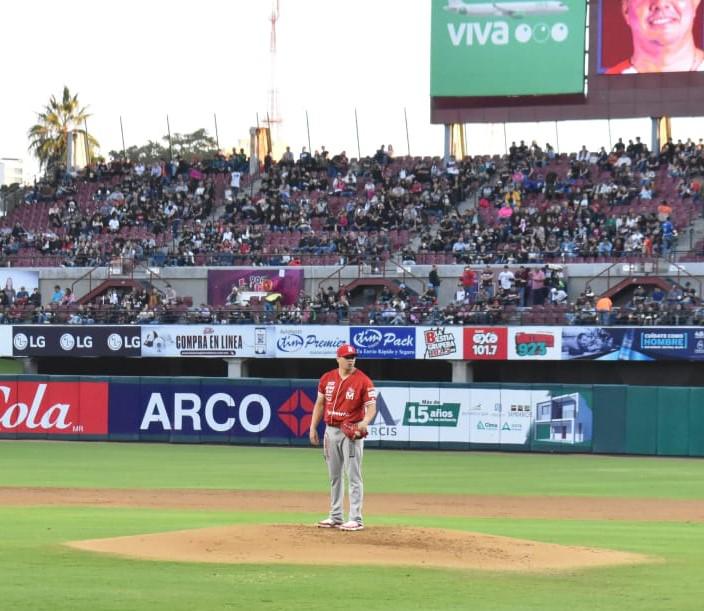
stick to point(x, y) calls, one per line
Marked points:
point(49, 137)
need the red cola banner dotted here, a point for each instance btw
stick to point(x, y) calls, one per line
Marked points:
point(53, 408)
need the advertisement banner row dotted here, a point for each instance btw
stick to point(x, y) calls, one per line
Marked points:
point(371, 342)
point(225, 411)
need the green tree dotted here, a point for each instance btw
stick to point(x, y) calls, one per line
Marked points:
point(48, 138)
point(199, 144)
point(147, 153)
point(196, 145)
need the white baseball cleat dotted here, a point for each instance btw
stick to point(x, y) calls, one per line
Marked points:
point(328, 523)
point(351, 525)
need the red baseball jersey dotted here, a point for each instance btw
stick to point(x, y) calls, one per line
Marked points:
point(345, 400)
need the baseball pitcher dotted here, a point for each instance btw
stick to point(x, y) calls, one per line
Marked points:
point(347, 403)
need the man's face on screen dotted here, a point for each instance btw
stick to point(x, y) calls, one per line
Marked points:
point(659, 22)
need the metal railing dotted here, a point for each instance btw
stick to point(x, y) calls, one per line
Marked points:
point(265, 313)
point(364, 262)
point(632, 267)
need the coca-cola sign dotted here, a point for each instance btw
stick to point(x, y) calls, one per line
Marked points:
point(54, 408)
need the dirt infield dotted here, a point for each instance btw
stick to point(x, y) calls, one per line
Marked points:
point(555, 507)
point(378, 545)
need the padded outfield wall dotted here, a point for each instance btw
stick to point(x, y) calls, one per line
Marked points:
point(539, 417)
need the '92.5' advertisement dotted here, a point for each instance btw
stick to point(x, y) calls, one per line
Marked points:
point(534, 344)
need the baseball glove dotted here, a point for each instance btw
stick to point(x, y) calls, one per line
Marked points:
point(350, 429)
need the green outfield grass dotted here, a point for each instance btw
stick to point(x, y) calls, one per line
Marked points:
point(115, 465)
point(37, 572)
point(11, 366)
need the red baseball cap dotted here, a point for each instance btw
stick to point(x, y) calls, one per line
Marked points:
point(346, 350)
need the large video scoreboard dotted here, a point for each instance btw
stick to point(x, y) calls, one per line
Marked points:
point(494, 48)
point(539, 60)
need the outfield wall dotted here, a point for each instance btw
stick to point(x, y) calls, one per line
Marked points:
point(539, 417)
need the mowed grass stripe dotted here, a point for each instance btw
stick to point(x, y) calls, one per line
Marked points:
point(123, 465)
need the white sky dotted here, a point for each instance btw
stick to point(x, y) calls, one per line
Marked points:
point(144, 60)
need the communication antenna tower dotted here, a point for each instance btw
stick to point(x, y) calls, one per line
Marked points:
point(273, 119)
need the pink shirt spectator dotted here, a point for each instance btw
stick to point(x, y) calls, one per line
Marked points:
point(537, 279)
point(505, 212)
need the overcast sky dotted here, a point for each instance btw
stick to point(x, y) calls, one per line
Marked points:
point(142, 60)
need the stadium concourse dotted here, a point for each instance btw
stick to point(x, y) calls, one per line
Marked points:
point(511, 222)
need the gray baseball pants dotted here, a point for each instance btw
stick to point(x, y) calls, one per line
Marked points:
point(344, 458)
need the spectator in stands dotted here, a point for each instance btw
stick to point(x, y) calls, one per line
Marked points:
point(385, 295)
point(434, 277)
point(604, 305)
point(10, 291)
point(668, 236)
point(343, 307)
point(233, 296)
point(430, 296)
point(506, 279)
point(42, 316)
point(536, 278)
point(58, 295)
point(22, 296)
point(403, 293)
point(68, 297)
point(639, 295)
point(36, 297)
point(468, 280)
point(558, 296)
point(521, 285)
point(399, 317)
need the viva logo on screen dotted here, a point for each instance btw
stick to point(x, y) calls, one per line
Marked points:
point(494, 29)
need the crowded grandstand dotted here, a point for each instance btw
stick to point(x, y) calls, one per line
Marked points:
point(503, 229)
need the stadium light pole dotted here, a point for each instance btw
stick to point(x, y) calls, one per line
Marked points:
point(408, 140)
point(122, 134)
point(557, 139)
point(168, 129)
point(85, 141)
point(308, 131)
point(446, 151)
point(217, 138)
point(611, 142)
point(356, 127)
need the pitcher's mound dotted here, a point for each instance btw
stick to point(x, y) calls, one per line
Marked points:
point(377, 545)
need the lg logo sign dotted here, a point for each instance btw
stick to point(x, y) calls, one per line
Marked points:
point(68, 342)
point(22, 341)
point(116, 342)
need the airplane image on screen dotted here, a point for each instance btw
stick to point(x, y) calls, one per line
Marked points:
point(507, 9)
